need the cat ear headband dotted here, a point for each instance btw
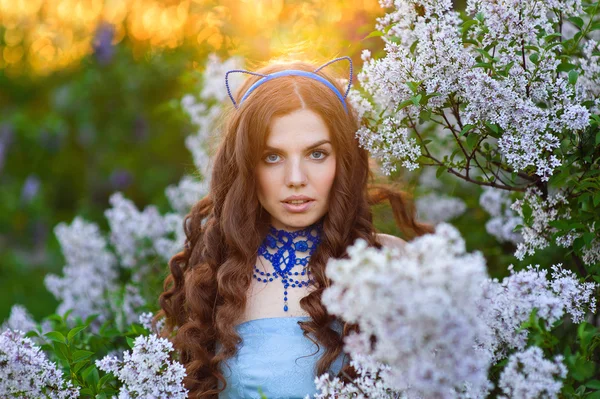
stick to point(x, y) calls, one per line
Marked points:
point(292, 72)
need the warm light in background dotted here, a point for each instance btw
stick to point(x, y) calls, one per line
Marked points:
point(38, 37)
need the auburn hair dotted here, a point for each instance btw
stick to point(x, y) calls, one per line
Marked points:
point(205, 293)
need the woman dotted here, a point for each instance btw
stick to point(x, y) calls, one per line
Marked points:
point(288, 192)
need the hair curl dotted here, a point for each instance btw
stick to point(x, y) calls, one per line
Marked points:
point(205, 294)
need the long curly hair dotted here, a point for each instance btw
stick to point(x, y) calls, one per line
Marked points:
point(205, 293)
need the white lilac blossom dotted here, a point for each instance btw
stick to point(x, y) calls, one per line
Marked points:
point(19, 319)
point(519, 21)
point(145, 320)
point(214, 77)
point(189, 190)
point(436, 208)
point(533, 104)
point(509, 303)
point(136, 235)
point(25, 372)
point(360, 104)
point(390, 145)
point(147, 372)
point(367, 385)
point(528, 375)
point(503, 219)
point(537, 230)
point(89, 274)
point(421, 305)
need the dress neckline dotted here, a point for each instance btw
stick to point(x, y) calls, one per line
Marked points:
point(266, 319)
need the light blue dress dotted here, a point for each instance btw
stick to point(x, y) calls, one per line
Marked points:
point(271, 357)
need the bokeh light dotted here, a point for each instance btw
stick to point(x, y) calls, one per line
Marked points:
point(38, 37)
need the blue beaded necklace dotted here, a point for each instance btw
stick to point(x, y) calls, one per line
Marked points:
point(279, 248)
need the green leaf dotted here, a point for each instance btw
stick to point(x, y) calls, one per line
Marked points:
point(440, 171)
point(78, 366)
point(90, 375)
point(467, 24)
point(416, 99)
point(104, 379)
point(55, 336)
point(565, 67)
point(593, 384)
point(598, 138)
point(74, 332)
point(413, 86)
point(130, 341)
point(577, 21)
point(413, 46)
point(80, 355)
point(472, 141)
point(465, 129)
point(403, 104)
point(535, 57)
point(573, 75)
point(375, 33)
point(593, 395)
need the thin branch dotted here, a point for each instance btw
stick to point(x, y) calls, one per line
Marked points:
point(456, 173)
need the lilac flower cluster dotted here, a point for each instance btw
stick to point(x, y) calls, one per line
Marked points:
point(532, 103)
point(426, 338)
point(509, 303)
point(204, 115)
point(25, 372)
point(90, 272)
point(147, 371)
point(368, 384)
point(503, 219)
point(19, 319)
point(536, 233)
point(440, 340)
point(131, 228)
point(436, 208)
point(528, 375)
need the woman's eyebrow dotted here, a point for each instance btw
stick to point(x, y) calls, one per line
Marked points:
point(316, 144)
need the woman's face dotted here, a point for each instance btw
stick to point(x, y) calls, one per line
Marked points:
point(296, 170)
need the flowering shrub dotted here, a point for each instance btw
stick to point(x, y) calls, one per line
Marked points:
point(503, 96)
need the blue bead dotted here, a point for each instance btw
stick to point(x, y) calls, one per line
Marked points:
point(285, 308)
point(285, 292)
point(285, 298)
point(296, 273)
point(271, 279)
point(293, 285)
point(303, 273)
point(262, 273)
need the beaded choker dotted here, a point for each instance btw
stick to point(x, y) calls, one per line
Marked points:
point(284, 250)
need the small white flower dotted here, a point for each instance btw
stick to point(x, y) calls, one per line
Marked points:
point(147, 372)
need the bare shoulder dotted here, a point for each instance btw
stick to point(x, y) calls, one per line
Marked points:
point(390, 241)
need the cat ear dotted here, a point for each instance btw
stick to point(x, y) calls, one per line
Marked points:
point(351, 71)
point(237, 71)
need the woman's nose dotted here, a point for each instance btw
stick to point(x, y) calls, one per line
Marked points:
point(295, 174)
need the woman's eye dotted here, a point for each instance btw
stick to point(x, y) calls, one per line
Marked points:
point(318, 154)
point(272, 158)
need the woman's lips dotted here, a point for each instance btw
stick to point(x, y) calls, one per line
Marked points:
point(298, 208)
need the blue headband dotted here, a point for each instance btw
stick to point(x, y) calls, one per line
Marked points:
point(292, 72)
